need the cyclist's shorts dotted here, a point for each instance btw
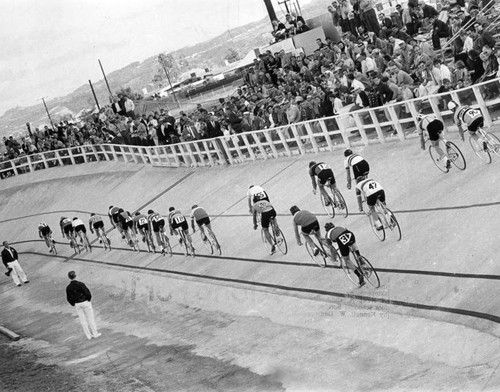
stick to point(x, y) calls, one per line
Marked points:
point(45, 230)
point(343, 244)
point(68, 229)
point(265, 218)
point(325, 175)
point(434, 129)
point(361, 168)
point(98, 225)
point(145, 227)
point(80, 228)
point(477, 123)
point(158, 225)
point(203, 221)
point(311, 227)
point(127, 225)
point(184, 225)
point(372, 199)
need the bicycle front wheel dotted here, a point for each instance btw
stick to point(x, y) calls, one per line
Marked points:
point(369, 273)
point(494, 143)
point(280, 240)
point(479, 150)
point(320, 259)
point(394, 224)
point(455, 156)
point(440, 163)
point(339, 203)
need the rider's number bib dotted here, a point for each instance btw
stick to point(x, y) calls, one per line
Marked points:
point(143, 221)
point(179, 219)
point(345, 238)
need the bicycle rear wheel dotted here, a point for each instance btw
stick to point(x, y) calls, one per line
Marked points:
point(350, 273)
point(369, 273)
point(455, 156)
point(208, 245)
point(213, 240)
point(494, 143)
point(266, 242)
point(380, 234)
point(320, 259)
point(339, 203)
point(394, 224)
point(440, 163)
point(280, 240)
point(479, 150)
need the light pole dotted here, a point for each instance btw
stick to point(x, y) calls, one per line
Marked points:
point(161, 59)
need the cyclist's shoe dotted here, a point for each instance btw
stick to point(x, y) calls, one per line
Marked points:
point(316, 252)
point(448, 164)
point(143, 239)
point(123, 236)
point(273, 249)
point(327, 203)
point(181, 241)
point(71, 244)
point(362, 281)
point(378, 227)
point(100, 241)
point(204, 239)
point(485, 146)
point(131, 243)
point(53, 241)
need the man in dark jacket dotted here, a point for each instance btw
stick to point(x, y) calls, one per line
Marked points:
point(78, 295)
point(439, 30)
point(9, 259)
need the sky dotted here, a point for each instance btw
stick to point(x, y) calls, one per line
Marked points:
point(51, 47)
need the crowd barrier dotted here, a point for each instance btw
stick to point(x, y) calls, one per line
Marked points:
point(392, 122)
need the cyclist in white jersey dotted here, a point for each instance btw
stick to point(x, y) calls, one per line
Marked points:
point(373, 191)
point(255, 193)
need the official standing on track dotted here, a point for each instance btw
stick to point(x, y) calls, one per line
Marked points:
point(79, 296)
point(9, 259)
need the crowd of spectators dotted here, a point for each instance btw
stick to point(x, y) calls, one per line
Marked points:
point(389, 57)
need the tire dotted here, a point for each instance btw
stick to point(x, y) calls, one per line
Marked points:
point(394, 224)
point(341, 204)
point(330, 210)
point(455, 156)
point(380, 234)
point(215, 243)
point(369, 273)
point(320, 259)
point(494, 142)
point(435, 158)
point(280, 240)
point(479, 150)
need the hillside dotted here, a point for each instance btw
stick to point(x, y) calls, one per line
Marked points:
point(137, 75)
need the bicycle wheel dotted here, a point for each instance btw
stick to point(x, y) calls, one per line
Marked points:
point(394, 224)
point(455, 156)
point(280, 239)
point(440, 163)
point(369, 273)
point(208, 245)
point(167, 249)
point(494, 143)
point(215, 243)
point(329, 209)
point(350, 273)
point(339, 203)
point(266, 242)
point(480, 151)
point(320, 259)
point(380, 234)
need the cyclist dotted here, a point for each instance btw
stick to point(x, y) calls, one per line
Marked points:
point(267, 212)
point(44, 232)
point(201, 217)
point(434, 128)
point(114, 219)
point(158, 223)
point(324, 173)
point(373, 191)
point(471, 117)
point(178, 221)
point(67, 230)
point(141, 226)
point(345, 241)
point(126, 222)
point(255, 193)
point(308, 223)
point(80, 229)
point(96, 223)
point(360, 169)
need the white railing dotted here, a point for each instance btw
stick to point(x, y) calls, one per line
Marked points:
point(362, 127)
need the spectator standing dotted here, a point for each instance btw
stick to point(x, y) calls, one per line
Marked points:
point(79, 296)
point(439, 30)
point(10, 260)
point(129, 106)
point(369, 16)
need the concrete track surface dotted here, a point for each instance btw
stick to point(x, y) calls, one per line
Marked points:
point(249, 321)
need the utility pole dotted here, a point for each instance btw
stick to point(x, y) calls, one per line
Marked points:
point(107, 84)
point(48, 115)
point(161, 59)
point(270, 10)
point(93, 93)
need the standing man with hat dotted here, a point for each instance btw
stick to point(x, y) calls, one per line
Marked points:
point(9, 259)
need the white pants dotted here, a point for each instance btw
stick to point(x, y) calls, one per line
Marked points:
point(17, 272)
point(86, 316)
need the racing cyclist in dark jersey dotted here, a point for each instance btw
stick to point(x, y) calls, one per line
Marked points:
point(324, 173)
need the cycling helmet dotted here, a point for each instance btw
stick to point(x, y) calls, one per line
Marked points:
point(420, 117)
point(312, 163)
point(121, 210)
point(347, 152)
point(294, 209)
point(138, 213)
point(63, 217)
point(251, 186)
point(150, 211)
point(171, 209)
point(329, 226)
point(110, 207)
point(452, 105)
point(75, 218)
point(42, 224)
point(194, 206)
point(92, 214)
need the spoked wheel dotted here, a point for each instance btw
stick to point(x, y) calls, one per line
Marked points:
point(280, 240)
point(350, 274)
point(393, 224)
point(494, 143)
point(380, 234)
point(215, 243)
point(455, 155)
point(481, 152)
point(327, 205)
point(440, 163)
point(320, 259)
point(369, 273)
point(340, 204)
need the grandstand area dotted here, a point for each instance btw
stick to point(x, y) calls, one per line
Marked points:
point(249, 321)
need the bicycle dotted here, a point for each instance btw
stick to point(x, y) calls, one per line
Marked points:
point(336, 201)
point(386, 217)
point(188, 248)
point(73, 243)
point(51, 244)
point(165, 244)
point(277, 236)
point(84, 240)
point(103, 238)
point(131, 239)
point(146, 237)
point(321, 257)
point(486, 144)
point(210, 240)
point(453, 153)
point(364, 266)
